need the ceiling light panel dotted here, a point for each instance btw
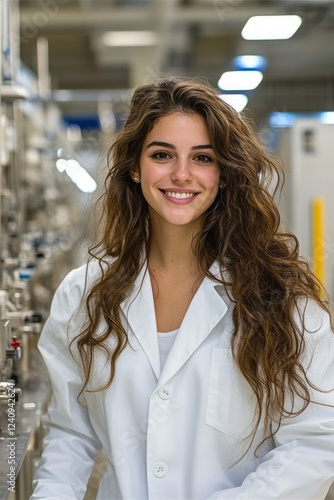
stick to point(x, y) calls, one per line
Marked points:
point(240, 80)
point(130, 38)
point(237, 101)
point(250, 62)
point(271, 27)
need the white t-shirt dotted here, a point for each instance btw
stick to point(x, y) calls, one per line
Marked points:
point(165, 340)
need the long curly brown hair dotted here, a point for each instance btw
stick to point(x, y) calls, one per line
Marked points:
point(267, 279)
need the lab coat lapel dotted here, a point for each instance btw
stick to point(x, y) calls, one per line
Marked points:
point(205, 311)
point(139, 312)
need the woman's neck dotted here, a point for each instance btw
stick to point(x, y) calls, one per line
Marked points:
point(171, 250)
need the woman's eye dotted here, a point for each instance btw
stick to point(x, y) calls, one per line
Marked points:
point(204, 158)
point(160, 155)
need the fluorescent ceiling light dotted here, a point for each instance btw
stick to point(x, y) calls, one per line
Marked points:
point(250, 62)
point(61, 165)
point(237, 101)
point(78, 175)
point(279, 120)
point(240, 80)
point(282, 120)
point(271, 27)
point(327, 117)
point(129, 38)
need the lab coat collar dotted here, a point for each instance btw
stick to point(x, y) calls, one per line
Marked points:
point(139, 312)
point(205, 311)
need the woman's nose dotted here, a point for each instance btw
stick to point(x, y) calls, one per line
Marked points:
point(182, 171)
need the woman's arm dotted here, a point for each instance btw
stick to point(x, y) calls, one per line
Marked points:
point(71, 444)
point(302, 465)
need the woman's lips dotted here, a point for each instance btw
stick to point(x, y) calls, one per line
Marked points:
point(179, 197)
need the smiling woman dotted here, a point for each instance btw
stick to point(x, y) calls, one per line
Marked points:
point(195, 346)
point(179, 184)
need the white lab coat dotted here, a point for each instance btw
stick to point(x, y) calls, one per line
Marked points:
point(176, 433)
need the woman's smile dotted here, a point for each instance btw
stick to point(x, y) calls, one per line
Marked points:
point(179, 196)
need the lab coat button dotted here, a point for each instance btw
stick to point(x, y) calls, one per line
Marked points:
point(165, 392)
point(160, 469)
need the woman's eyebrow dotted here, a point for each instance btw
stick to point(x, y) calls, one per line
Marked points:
point(171, 146)
point(202, 146)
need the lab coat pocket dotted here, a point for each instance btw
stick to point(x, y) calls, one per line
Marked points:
point(231, 406)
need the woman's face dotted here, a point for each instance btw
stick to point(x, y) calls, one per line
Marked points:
point(178, 170)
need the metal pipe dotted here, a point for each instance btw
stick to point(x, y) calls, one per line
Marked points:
point(5, 37)
point(1, 140)
point(43, 68)
point(17, 166)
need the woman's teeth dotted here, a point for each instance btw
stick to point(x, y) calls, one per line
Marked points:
point(179, 195)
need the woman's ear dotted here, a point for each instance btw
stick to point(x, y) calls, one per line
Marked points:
point(135, 176)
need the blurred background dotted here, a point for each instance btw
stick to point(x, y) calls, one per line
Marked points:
point(68, 69)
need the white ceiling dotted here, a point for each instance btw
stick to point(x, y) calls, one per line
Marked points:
point(196, 38)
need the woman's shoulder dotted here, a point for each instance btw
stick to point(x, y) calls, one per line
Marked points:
point(79, 281)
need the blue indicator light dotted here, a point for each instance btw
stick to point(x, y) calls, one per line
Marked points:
point(250, 62)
